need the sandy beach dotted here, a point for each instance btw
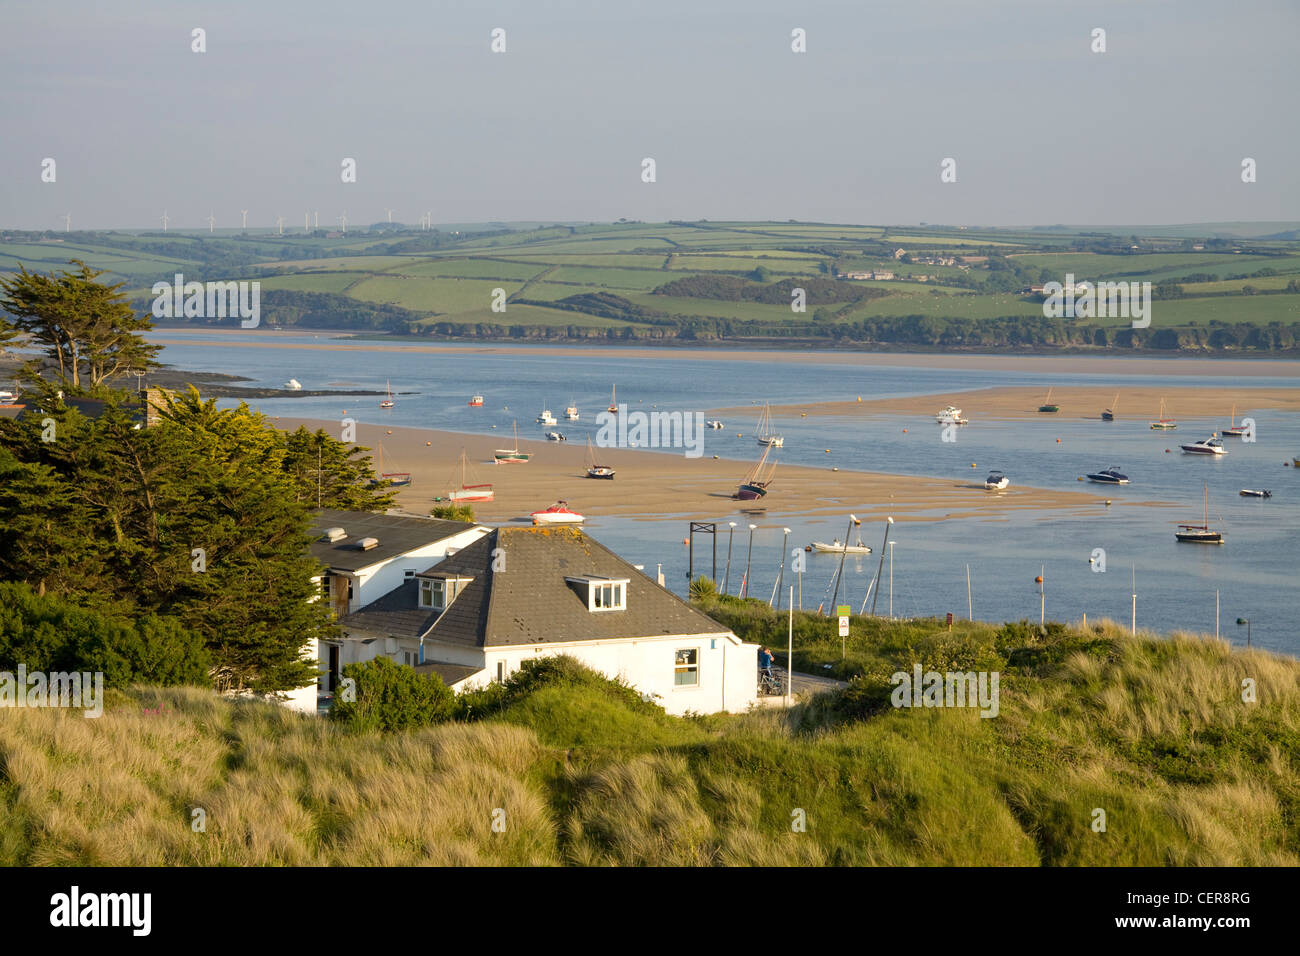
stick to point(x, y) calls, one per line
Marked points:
point(1134, 404)
point(1108, 364)
point(656, 485)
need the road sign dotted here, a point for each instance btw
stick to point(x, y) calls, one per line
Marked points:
point(844, 625)
point(843, 610)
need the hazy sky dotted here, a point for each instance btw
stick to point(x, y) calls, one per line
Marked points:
point(1042, 129)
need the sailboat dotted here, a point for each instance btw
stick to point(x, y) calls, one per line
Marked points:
point(393, 477)
point(756, 482)
point(1164, 424)
point(1047, 405)
point(511, 456)
point(1236, 431)
point(595, 470)
point(613, 399)
point(467, 492)
point(1200, 533)
point(766, 433)
point(1109, 414)
point(388, 402)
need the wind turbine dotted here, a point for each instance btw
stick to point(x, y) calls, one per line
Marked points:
point(164, 220)
point(279, 221)
point(428, 219)
point(67, 222)
point(343, 220)
point(390, 215)
point(315, 220)
point(306, 222)
point(244, 213)
point(211, 221)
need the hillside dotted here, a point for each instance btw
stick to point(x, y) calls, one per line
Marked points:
point(690, 282)
point(575, 771)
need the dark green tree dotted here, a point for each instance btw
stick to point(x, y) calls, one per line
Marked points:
point(328, 472)
point(391, 696)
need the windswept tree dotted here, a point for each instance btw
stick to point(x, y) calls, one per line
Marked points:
point(327, 473)
point(87, 327)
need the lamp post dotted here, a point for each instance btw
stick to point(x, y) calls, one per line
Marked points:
point(1246, 621)
point(853, 519)
point(726, 582)
point(780, 575)
point(744, 587)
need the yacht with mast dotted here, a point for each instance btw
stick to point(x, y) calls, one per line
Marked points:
point(594, 469)
point(387, 402)
point(396, 478)
point(1200, 533)
point(759, 478)
point(511, 456)
point(1235, 430)
point(1109, 414)
point(1047, 405)
point(766, 433)
point(468, 492)
point(1164, 424)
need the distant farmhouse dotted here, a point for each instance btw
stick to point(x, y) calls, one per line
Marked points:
point(517, 594)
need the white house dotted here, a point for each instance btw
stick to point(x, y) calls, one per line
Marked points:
point(366, 555)
point(517, 594)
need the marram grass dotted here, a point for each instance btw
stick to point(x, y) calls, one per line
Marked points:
point(1151, 733)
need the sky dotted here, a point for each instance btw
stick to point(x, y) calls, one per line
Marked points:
point(1042, 129)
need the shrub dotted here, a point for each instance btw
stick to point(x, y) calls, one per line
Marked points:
point(392, 696)
point(453, 512)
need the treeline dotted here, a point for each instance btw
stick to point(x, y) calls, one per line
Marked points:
point(316, 310)
point(914, 331)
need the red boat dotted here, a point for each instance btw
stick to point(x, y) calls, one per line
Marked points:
point(558, 513)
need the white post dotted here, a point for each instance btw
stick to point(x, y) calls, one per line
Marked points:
point(789, 653)
point(1216, 614)
point(1134, 627)
point(1042, 596)
point(970, 614)
point(891, 580)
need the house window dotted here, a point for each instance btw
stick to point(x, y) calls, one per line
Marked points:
point(687, 667)
point(608, 597)
point(501, 672)
point(432, 594)
point(408, 573)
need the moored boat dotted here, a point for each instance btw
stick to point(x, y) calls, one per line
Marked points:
point(758, 480)
point(951, 416)
point(546, 418)
point(1234, 430)
point(1206, 446)
point(388, 402)
point(613, 399)
point(996, 481)
point(1047, 405)
point(714, 423)
point(476, 401)
point(395, 478)
point(1252, 493)
point(511, 456)
point(594, 469)
point(1200, 533)
point(766, 432)
point(555, 436)
point(1162, 423)
point(835, 547)
point(1109, 476)
point(1109, 414)
point(469, 492)
point(571, 413)
point(558, 513)
point(293, 385)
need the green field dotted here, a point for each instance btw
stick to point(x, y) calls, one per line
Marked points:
point(444, 280)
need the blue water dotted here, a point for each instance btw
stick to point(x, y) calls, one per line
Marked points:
point(1255, 573)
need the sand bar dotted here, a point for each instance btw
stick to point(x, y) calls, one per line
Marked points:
point(658, 485)
point(1134, 404)
point(1113, 364)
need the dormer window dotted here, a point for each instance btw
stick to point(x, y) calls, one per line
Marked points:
point(601, 593)
point(437, 591)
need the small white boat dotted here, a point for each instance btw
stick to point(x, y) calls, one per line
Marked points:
point(996, 481)
point(388, 402)
point(476, 401)
point(571, 413)
point(714, 423)
point(546, 418)
point(951, 416)
point(1207, 446)
point(555, 436)
point(7, 397)
point(836, 548)
point(293, 384)
point(1252, 493)
point(558, 513)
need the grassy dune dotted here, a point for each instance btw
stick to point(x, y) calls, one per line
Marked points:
point(1152, 731)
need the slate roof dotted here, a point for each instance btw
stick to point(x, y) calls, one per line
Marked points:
point(450, 673)
point(530, 601)
point(397, 535)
